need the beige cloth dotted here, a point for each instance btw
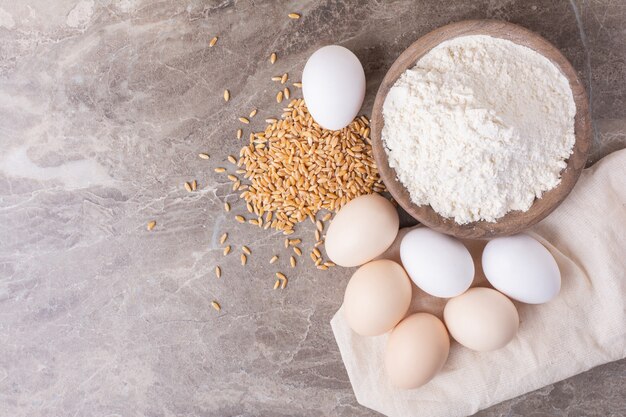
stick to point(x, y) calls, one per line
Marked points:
point(583, 327)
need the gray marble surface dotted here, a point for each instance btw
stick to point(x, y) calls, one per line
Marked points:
point(104, 106)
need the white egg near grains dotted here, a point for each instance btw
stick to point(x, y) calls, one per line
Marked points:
point(377, 297)
point(362, 229)
point(438, 264)
point(522, 268)
point(333, 86)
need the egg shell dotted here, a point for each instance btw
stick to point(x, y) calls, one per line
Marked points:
point(377, 297)
point(438, 264)
point(393, 251)
point(363, 229)
point(333, 86)
point(481, 319)
point(416, 350)
point(522, 268)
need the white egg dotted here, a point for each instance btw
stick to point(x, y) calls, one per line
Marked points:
point(438, 264)
point(522, 268)
point(333, 86)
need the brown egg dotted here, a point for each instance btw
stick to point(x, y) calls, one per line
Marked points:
point(363, 229)
point(481, 319)
point(416, 351)
point(377, 297)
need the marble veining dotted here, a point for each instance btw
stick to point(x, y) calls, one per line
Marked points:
point(104, 106)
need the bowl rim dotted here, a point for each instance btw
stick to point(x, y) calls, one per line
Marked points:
point(514, 221)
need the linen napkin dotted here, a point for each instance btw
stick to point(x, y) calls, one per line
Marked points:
point(583, 327)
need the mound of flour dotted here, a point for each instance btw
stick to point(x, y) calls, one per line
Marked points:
point(479, 127)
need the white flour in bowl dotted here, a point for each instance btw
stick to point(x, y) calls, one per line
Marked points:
point(479, 127)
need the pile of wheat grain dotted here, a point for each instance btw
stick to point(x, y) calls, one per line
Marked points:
point(295, 168)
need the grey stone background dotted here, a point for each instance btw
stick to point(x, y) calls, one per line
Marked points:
point(104, 106)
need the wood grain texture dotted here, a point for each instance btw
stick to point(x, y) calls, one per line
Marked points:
point(514, 221)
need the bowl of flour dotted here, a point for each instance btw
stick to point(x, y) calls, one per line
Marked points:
point(480, 129)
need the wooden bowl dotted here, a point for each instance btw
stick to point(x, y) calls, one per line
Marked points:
point(514, 221)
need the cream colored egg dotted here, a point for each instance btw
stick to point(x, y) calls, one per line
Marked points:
point(481, 319)
point(416, 351)
point(363, 229)
point(377, 297)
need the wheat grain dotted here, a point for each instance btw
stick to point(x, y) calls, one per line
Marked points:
point(294, 168)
